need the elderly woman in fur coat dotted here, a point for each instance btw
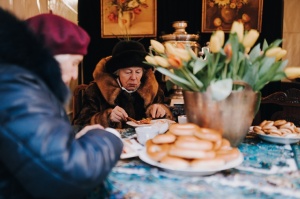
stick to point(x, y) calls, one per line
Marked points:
point(123, 86)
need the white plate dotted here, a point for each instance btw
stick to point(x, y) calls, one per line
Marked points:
point(278, 139)
point(154, 121)
point(131, 148)
point(190, 171)
point(162, 124)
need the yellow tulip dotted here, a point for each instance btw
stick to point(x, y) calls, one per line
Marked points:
point(250, 38)
point(170, 48)
point(238, 28)
point(276, 52)
point(183, 54)
point(158, 47)
point(177, 52)
point(150, 60)
point(292, 72)
point(161, 61)
point(214, 44)
point(281, 54)
point(272, 52)
point(220, 34)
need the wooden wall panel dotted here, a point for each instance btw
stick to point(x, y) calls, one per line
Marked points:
point(291, 31)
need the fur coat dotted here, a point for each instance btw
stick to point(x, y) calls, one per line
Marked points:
point(104, 93)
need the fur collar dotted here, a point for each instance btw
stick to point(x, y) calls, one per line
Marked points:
point(19, 46)
point(110, 88)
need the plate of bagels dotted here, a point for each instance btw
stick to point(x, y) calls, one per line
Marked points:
point(278, 131)
point(188, 149)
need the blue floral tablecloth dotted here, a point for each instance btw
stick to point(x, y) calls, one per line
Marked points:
point(268, 171)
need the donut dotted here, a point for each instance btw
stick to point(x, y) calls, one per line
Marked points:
point(184, 129)
point(217, 144)
point(210, 163)
point(224, 145)
point(228, 155)
point(178, 163)
point(285, 131)
point(208, 134)
point(288, 125)
point(156, 152)
point(195, 145)
point(263, 123)
point(190, 153)
point(273, 131)
point(267, 124)
point(267, 127)
point(258, 129)
point(189, 138)
point(164, 139)
point(280, 122)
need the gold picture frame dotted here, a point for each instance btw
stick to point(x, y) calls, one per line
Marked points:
point(219, 15)
point(128, 18)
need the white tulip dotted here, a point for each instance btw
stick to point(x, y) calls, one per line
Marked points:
point(158, 47)
point(150, 60)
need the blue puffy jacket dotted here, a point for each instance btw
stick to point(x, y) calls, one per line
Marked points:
point(39, 156)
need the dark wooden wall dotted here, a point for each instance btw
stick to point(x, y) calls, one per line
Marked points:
point(167, 12)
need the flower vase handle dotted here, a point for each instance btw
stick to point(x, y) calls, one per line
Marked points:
point(204, 51)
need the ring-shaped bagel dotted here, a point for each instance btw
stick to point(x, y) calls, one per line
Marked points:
point(176, 162)
point(184, 129)
point(164, 139)
point(191, 154)
point(208, 134)
point(195, 145)
point(228, 155)
point(156, 151)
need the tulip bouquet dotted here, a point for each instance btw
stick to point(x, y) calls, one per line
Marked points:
point(222, 64)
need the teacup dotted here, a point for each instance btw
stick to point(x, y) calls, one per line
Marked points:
point(145, 133)
point(182, 119)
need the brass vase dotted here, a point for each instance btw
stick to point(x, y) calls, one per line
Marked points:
point(232, 116)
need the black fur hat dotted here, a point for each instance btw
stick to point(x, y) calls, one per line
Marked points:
point(127, 54)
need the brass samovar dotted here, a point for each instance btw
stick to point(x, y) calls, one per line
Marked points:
point(180, 36)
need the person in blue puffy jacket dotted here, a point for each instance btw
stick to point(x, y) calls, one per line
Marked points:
point(41, 156)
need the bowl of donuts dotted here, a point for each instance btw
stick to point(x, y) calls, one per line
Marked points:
point(191, 150)
point(278, 131)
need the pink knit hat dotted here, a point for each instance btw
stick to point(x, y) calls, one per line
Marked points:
point(61, 36)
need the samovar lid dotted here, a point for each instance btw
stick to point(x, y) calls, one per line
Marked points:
point(180, 34)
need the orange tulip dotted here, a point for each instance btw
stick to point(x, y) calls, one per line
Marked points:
point(175, 62)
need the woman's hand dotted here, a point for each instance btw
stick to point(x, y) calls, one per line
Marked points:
point(157, 111)
point(118, 114)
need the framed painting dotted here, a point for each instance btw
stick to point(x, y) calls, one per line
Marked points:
point(220, 14)
point(132, 18)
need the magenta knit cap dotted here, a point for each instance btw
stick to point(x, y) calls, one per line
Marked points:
point(60, 35)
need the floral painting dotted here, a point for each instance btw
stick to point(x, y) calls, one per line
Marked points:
point(220, 14)
point(134, 18)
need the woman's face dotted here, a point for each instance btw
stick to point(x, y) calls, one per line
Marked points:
point(130, 77)
point(68, 66)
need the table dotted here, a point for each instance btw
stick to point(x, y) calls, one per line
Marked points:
point(268, 171)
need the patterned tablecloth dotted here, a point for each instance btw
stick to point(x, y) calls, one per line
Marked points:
point(268, 171)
